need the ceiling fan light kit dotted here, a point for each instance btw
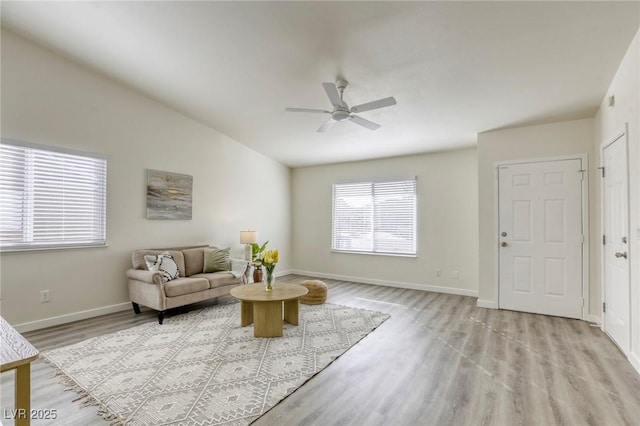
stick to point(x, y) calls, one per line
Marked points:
point(341, 110)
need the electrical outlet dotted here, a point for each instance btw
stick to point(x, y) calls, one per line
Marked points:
point(438, 272)
point(455, 275)
point(45, 296)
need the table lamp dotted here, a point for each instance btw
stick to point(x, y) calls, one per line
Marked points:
point(248, 238)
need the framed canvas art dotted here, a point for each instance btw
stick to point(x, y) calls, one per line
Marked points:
point(169, 195)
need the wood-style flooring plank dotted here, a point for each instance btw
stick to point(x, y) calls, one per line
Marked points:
point(439, 360)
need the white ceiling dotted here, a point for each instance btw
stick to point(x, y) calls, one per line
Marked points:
point(455, 68)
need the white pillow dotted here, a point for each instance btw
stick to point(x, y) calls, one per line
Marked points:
point(163, 263)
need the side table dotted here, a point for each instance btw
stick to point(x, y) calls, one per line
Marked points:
point(16, 353)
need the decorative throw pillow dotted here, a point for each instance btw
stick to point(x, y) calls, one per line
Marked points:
point(163, 263)
point(216, 260)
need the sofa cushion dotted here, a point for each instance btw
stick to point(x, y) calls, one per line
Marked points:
point(182, 286)
point(164, 264)
point(138, 262)
point(193, 261)
point(216, 260)
point(220, 279)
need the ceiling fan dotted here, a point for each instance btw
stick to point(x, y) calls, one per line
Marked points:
point(341, 110)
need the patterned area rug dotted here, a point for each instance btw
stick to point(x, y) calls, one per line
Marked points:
point(202, 368)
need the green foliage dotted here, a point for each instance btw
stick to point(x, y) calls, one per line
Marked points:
point(258, 249)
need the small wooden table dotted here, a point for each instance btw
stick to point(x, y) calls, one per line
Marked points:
point(264, 308)
point(16, 353)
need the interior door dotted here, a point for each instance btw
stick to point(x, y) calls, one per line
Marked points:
point(540, 237)
point(615, 214)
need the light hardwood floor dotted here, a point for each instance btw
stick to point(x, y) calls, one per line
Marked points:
point(439, 360)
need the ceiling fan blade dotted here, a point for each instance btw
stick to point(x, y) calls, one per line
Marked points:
point(380, 103)
point(306, 110)
point(326, 126)
point(332, 93)
point(364, 123)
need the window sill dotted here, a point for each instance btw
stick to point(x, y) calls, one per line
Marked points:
point(33, 249)
point(369, 253)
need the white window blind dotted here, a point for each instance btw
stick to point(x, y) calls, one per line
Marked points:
point(50, 198)
point(375, 217)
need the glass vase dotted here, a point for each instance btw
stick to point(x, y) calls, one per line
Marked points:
point(269, 279)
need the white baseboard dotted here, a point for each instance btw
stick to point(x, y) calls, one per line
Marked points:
point(67, 318)
point(397, 284)
point(489, 304)
point(285, 272)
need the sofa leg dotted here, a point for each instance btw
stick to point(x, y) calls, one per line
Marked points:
point(136, 307)
point(160, 317)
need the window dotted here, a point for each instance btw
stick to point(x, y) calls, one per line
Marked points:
point(375, 217)
point(50, 198)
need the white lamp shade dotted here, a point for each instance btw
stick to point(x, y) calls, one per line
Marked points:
point(248, 237)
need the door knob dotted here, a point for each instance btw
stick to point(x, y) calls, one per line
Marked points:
point(621, 254)
point(504, 234)
point(504, 244)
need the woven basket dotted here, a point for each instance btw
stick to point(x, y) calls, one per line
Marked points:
point(317, 292)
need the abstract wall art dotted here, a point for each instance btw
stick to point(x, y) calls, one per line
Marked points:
point(169, 195)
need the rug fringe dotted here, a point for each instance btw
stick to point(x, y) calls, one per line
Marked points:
point(84, 399)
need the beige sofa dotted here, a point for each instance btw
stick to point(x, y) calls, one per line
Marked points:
point(147, 288)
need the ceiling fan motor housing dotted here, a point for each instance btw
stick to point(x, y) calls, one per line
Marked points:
point(340, 115)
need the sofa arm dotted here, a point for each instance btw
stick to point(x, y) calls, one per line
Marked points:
point(151, 277)
point(241, 266)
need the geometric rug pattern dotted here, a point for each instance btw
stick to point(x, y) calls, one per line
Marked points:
point(202, 368)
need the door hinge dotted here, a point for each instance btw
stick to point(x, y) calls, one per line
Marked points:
point(604, 240)
point(604, 307)
point(602, 170)
point(583, 302)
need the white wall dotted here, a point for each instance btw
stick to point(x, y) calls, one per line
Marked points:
point(447, 223)
point(549, 140)
point(49, 100)
point(609, 122)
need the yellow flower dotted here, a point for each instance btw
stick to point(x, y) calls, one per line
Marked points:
point(270, 257)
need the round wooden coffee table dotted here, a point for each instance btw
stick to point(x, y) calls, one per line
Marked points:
point(264, 308)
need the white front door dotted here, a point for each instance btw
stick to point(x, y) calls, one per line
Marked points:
point(540, 237)
point(615, 217)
